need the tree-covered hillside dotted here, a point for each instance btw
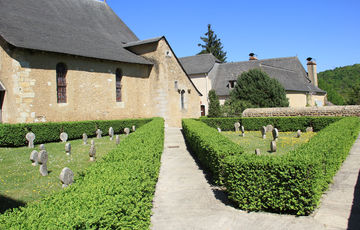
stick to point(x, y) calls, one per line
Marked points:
point(342, 84)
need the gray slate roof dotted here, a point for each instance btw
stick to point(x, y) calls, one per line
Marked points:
point(198, 64)
point(288, 71)
point(86, 28)
point(142, 42)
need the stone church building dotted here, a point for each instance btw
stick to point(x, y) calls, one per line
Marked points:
point(71, 60)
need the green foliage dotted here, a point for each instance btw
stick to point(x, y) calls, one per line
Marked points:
point(284, 124)
point(234, 108)
point(115, 193)
point(289, 183)
point(332, 95)
point(339, 83)
point(14, 135)
point(209, 146)
point(214, 105)
point(258, 89)
point(212, 45)
point(354, 95)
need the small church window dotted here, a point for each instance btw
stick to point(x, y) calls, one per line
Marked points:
point(61, 71)
point(182, 99)
point(232, 84)
point(118, 85)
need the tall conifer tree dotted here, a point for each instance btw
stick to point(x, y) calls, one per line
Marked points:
point(212, 45)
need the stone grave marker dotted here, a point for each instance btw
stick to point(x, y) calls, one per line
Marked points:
point(92, 142)
point(219, 130)
point(30, 137)
point(269, 128)
point(298, 133)
point(66, 177)
point(92, 151)
point(64, 137)
point(42, 147)
point(237, 126)
point(263, 132)
point(127, 131)
point(117, 139)
point(98, 133)
point(273, 146)
point(111, 133)
point(85, 138)
point(243, 131)
point(34, 157)
point(257, 151)
point(275, 134)
point(133, 128)
point(309, 129)
point(68, 149)
point(42, 159)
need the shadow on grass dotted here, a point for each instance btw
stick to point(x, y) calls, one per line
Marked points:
point(7, 203)
point(219, 192)
point(354, 219)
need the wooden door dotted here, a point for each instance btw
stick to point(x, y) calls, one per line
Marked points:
point(202, 107)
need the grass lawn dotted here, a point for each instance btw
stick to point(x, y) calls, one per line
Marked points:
point(20, 182)
point(253, 140)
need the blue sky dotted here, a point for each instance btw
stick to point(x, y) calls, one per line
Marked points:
point(326, 30)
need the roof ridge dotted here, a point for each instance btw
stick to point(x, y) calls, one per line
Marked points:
point(198, 55)
point(256, 61)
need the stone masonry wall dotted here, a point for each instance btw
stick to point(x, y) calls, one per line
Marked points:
point(350, 110)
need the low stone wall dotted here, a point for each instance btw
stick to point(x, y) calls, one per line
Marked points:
point(345, 111)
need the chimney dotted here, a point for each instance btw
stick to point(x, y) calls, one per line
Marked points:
point(312, 74)
point(252, 57)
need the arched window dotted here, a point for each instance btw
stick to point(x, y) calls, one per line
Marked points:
point(61, 71)
point(118, 85)
point(182, 99)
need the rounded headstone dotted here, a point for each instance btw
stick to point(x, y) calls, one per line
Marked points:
point(68, 148)
point(269, 128)
point(257, 151)
point(243, 130)
point(237, 126)
point(85, 138)
point(98, 133)
point(66, 177)
point(127, 131)
point(219, 130)
point(263, 132)
point(273, 146)
point(34, 157)
point(42, 157)
point(309, 129)
point(30, 137)
point(117, 139)
point(298, 133)
point(92, 153)
point(275, 133)
point(63, 137)
point(133, 128)
point(92, 142)
point(42, 147)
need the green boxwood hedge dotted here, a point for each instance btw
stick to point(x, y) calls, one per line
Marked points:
point(13, 135)
point(284, 124)
point(209, 146)
point(290, 183)
point(114, 193)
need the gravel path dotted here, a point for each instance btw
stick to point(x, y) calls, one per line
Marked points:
point(185, 200)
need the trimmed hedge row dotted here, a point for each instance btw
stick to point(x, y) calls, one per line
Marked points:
point(13, 135)
point(209, 146)
point(292, 183)
point(284, 124)
point(114, 193)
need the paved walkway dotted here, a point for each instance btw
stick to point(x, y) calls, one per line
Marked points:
point(185, 200)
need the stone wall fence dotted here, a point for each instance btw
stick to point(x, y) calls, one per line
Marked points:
point(342, 111)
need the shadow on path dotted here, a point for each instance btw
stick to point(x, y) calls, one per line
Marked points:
point(354, 219)
point(9, 203)
point(219, 192)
